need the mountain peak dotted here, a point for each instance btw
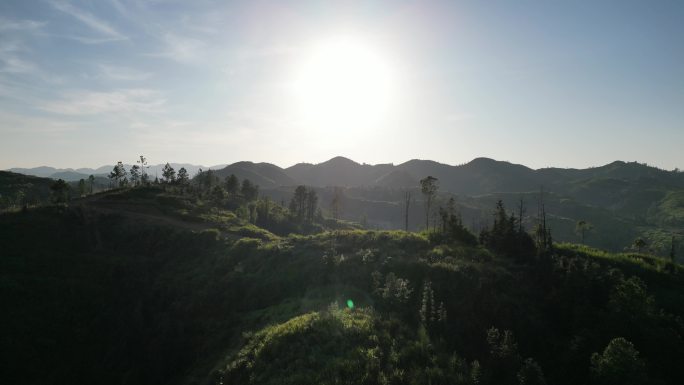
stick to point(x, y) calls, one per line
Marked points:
point(340, 161)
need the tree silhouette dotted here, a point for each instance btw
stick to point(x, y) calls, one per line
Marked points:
point(81, 187)
point(168, 174)
point(135, 174)
point(118, 174)
point(298, 203)
point(639, 243)
point(429, 187)
point(183, 177)
point(232, 185)
point(407, 204)
point(91, 180)
point(60, 191)
point(143, 169)
point(249, 190)
point(618, 364)
point(582, 228)
point(311, 205)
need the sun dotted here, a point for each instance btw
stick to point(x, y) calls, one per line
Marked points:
point(343, 84)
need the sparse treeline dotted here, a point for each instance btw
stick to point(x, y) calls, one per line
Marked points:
point(507, 236)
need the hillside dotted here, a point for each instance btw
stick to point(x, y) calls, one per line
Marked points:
point(265, 175)
point(157, 285)
point(622, 201)
point(17, 189)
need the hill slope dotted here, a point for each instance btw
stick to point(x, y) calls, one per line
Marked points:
point(149, 286)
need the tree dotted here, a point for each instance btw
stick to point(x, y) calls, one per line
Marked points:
point(81, 187)
point(407, 204)
point(298, 203)
point(639, 243)
point(311, 205)
point(542, 233)
point(91, 179)
point(452, 228)
point(672, 249)
point(135, 174)
point(118, 174)
point(249, 190)
point(20, 198)
point(183, 177)
point(168, 174)
point(217, 194)
point(143, 169)
point(618, 364)
point(521, 214)
point(530, 373)
point(505, 236)
point(232, 185)
point(429, 187)
point(582, 228)
point(60, 191)
point(206, 180)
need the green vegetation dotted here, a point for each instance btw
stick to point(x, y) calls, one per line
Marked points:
point(204, 281)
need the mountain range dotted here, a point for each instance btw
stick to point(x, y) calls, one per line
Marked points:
point(70, 174)
point(621, 200)
point(479, 176)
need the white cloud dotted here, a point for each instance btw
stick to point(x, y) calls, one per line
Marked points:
point(114, 102)
point(88, 19)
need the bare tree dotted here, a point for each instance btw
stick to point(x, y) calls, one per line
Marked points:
point(407, 205)
point(143, 169)
point(429, 187)
point(582, 228)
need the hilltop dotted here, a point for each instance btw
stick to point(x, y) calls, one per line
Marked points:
point(171, 284)
point(622, 201)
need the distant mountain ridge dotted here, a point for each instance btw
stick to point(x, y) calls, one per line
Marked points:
point(479, 176)
point(70, 174)
point(621, 200)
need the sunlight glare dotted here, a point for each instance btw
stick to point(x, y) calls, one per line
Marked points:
point(343, 85)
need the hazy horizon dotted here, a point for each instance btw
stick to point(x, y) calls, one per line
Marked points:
point(536, 83)
point(213, 166)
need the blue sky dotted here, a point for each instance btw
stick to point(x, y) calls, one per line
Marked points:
point(542, 83)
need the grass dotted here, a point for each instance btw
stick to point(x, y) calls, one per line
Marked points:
point(647, 262)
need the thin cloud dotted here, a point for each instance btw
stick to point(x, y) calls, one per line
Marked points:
point(93, 40)
point(15, 65)
point(114, 102)
point(182, 49)
point(268, 52)
point(123, 73)
point(88, 19)
point(20, 25)
point(10, 60)
point(14, 123)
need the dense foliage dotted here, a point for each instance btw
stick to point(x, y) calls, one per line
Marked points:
point(177, 284)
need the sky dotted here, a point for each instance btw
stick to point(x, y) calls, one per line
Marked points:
point(540, 83)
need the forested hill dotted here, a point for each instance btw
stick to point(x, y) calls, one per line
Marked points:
point(185, 284)
point(619, 202)
point(480, 176)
